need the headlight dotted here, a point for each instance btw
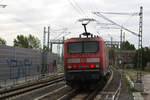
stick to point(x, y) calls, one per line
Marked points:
point(97, 66)
point(69, 67)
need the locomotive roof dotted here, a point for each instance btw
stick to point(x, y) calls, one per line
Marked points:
point(84, 39)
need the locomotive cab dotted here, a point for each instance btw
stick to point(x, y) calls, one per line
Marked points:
point(85, 60)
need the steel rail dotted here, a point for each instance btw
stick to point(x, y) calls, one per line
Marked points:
point(30, 83)
point(25, 89)
point(111, 90)
point(75, 94)
point(115, 96)
point(41, 97)
point(68, 95)
point(94, 93)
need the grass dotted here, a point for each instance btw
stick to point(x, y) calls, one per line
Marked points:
point(130, 88)
point(132, 74)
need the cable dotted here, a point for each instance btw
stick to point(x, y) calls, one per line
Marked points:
point(65, 35)
point(77, 10)
point(132, 14)
point(100, 15)
point(77, 7)
point(80, 8)
point(121, 13)
point(105, 24)
point(127, 20)
point(56, 37)
point(61, 33)
point(109, 27)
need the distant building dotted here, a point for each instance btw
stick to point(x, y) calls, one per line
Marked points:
point(127, 57)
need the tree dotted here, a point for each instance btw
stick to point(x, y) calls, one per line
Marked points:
point(21, 41)
point(34, 42)
point(127, 46)
point(45, 48)
point(2, 41)
point(145, 57)
point(27, 42)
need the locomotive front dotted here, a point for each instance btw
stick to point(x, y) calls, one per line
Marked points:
point(84, 60)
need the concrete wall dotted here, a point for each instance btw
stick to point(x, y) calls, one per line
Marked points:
point(17, 62)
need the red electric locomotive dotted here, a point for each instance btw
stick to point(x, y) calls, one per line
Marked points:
point(85, 60)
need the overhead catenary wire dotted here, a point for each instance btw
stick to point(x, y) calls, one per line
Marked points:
point(74, 7)
point(66, 34)
point(101, 15)
point(127, 20)
point(121, 13)
point(78, 9)
point(109, 27)
point(60, 35)
point(106, 26)
point(98, 23)
point(78, 6)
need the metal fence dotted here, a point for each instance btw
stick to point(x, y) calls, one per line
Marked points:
point(21, 64)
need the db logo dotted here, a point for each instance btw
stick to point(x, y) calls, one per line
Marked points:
point(83, 60)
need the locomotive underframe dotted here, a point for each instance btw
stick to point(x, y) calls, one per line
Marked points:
point(83, 77)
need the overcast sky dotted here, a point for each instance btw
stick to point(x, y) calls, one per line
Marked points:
point(30, 16)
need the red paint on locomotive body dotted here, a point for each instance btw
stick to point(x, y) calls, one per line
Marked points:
point(85, 60)
point(99, 55)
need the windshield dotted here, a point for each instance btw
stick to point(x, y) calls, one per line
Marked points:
point(83, 47)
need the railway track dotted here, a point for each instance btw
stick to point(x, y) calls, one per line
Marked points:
point(107, 91)
point(85, 94)
point(110, 91)
point(16, 92)
point(56, 94)
point(66, 93)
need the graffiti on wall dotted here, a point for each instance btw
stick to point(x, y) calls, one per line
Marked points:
point(49, 68)
point(22, 67)
point(19, 67)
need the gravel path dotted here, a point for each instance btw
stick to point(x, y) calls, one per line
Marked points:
point(125, 94)
point(146, 81)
